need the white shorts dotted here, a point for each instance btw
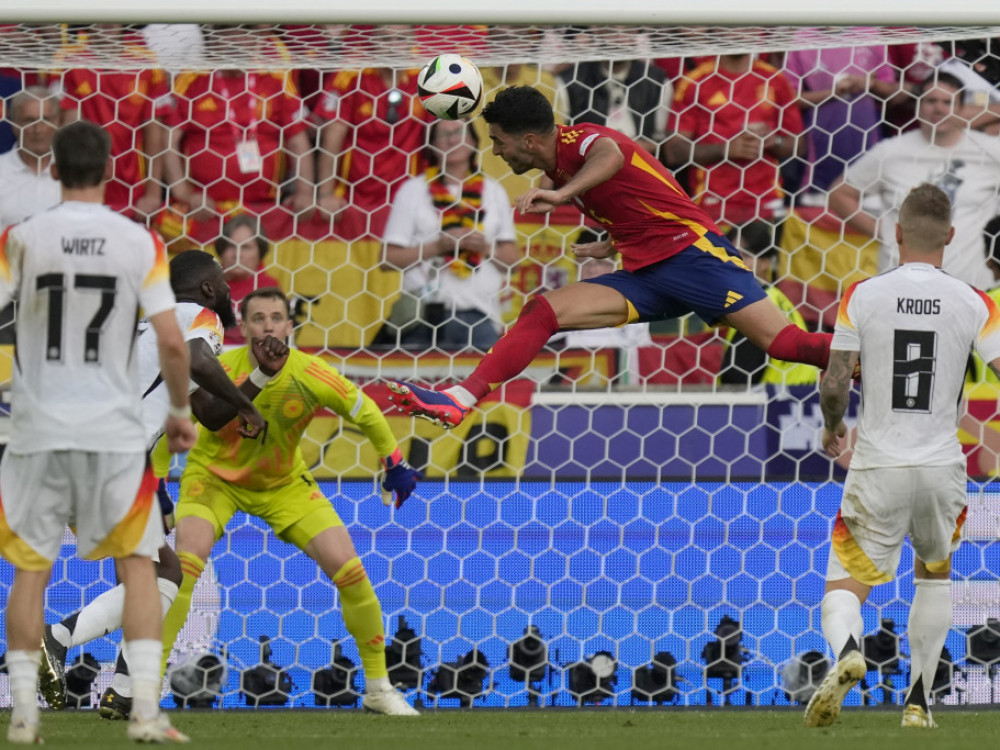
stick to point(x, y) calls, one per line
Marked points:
point(110, 499)
point(881, 506)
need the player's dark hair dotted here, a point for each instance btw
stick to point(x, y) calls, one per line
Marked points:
point(938, 77)
point(519, 110)
point(265, 292)
point(991, 238)
point(189, 269)
point(433, 157)
point(225, 240)
point(81, 150)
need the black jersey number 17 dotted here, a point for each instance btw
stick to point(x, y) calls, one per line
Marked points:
point(55, 284)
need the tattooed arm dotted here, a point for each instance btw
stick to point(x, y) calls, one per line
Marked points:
point(834, 397)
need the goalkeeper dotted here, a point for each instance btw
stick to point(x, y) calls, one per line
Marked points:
point(225, 473)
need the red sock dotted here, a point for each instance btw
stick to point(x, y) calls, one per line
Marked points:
point(515, 349)
point(792, 344)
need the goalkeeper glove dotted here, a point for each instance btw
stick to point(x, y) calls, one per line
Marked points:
point(399, 479)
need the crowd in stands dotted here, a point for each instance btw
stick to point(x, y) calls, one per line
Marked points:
point(802, 157)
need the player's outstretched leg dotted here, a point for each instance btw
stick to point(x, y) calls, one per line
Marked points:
point(439, 407)
point(509, 356)
point(824, 707)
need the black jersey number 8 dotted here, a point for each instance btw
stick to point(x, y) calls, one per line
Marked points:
point(55, 283)
point(914, 358)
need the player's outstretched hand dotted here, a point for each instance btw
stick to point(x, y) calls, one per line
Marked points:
point(181, 434)
point(833, 440)
point(537, 201)
point(271, 354)
point(399, 479)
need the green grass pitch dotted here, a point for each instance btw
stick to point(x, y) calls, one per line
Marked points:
point(544, 729)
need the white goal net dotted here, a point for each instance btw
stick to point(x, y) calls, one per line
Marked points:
point(642, 515)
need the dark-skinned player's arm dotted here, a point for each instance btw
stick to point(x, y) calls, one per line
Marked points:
point(215, 410)
point(603, 161)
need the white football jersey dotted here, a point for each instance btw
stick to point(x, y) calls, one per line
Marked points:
point(80, 273)
point(196, 322)
point(914, 327)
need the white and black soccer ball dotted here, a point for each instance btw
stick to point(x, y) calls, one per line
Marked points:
point(450, 86)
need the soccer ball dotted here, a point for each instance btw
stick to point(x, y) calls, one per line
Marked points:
point(450, 86)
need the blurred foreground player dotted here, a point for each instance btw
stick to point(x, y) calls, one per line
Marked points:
point(225, 474)
point(80, 273)
point(675, 258)
point(914, 327)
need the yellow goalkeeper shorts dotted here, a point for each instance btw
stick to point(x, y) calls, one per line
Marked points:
point(297, 512)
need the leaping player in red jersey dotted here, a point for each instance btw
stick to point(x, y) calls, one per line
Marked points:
point(675, 258)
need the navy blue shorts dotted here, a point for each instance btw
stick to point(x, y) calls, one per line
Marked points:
point(708, 278)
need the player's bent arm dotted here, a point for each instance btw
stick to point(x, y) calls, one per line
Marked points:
point(603, 161)
point(175, 368)
point(212, 379)
point(835, 390)
point(214, 413)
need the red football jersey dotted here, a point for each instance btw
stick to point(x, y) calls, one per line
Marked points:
point(122, 102)
point(712, 105)
point(383, 146)
point(261, 106)
point(647, 214)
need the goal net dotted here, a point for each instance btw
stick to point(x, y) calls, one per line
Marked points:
point(642, 515)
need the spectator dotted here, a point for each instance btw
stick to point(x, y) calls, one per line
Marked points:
point(122, 102)
point(451, 233)
point(742, 362)
point(942, 151)
point(630, 96)
point(843, 92)
point(734, 120)
point(372, 130)
point(234, 135)
point(26, 186)
point(241, 250)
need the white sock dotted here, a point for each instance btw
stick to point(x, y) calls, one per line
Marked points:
point(121, 683)
point(100, 617)
point(22, 666)
point(377, 685)
point(930, 619)
point(461, 395)
point(143, 657)
point(168, 592)
point(841, 619)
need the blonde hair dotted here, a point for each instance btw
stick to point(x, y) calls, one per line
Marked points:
point(925, 218)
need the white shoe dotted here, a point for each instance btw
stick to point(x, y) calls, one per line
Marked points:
point(389, 702)
point(915, 716)
point(21, 732)
point(824, 706)
point(156, 730)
